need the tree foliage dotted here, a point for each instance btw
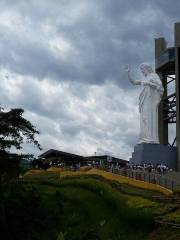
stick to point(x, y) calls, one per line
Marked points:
point(14, 131)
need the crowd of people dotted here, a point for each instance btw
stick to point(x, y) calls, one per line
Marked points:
point(150, 168)
point(109, 166)
point(158, 168)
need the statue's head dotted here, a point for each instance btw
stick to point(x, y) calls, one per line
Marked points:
point(146, 69)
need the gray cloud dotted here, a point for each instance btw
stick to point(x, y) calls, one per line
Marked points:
point(104, 36)
point(63, 62)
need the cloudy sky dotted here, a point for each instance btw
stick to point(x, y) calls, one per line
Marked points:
point(63, 62)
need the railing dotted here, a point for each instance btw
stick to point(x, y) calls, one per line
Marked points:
point(142, 175)
point(159, 179)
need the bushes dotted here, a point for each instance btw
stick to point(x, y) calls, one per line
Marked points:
point(26, 214)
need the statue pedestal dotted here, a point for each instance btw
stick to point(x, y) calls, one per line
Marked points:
point(145, 153)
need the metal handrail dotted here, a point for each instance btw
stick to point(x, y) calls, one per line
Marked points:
point(155, 178)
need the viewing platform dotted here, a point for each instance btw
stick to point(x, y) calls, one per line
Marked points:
point(165, 62)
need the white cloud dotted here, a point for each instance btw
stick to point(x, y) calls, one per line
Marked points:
point(104, 117)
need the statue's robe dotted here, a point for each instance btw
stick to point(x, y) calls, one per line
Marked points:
point(149, 100)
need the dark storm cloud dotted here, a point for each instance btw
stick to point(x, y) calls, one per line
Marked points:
point(106, 35)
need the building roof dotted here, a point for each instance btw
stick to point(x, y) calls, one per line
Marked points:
point(105, 157)
point(71, 156)
point(53, 152)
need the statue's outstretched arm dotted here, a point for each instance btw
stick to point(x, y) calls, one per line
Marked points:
point(135, 82)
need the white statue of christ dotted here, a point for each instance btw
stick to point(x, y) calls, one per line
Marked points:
point(149, 100)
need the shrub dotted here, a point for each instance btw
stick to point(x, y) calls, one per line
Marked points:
point(27, 214)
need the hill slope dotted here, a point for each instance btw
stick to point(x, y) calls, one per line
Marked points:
point(97, 208)
point(96, 205)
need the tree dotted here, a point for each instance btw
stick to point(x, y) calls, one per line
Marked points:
point(14, 131)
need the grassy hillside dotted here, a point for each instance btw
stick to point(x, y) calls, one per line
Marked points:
point(92, 209)
point(112, 207)
point(59, 173)
point(89, 206)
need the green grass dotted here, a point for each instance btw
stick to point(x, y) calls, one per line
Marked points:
point(90, 207)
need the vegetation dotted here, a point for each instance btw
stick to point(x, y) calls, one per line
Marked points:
point(28, 213)
point(91, 209)
point(85, 207)
point(14, 131)
point(137, 184)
